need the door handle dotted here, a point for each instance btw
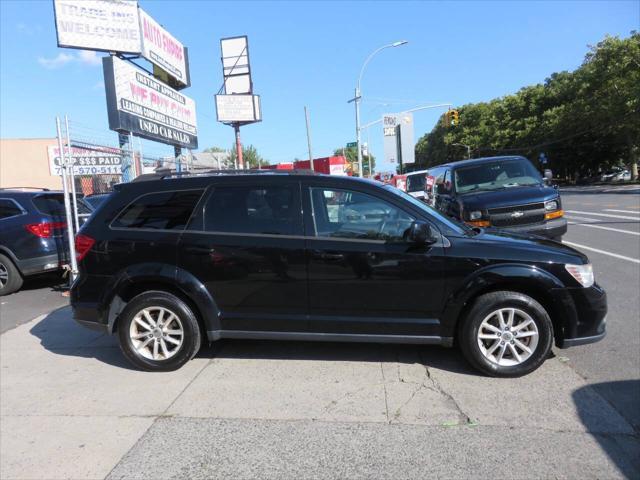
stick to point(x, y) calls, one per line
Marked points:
point(331, 256)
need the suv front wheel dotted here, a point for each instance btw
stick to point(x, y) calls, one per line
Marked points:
point(158, 332)
point(506, 334)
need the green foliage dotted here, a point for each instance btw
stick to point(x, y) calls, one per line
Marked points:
point(351, 154)
point(584, 121)
point(250, 156)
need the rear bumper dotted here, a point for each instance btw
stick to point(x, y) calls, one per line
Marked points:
point(584, 315)
point(47, 263)
point(550, 229)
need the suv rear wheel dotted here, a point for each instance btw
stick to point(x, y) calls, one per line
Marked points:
point(506, 334)
point(10, 278)
point(158, 332)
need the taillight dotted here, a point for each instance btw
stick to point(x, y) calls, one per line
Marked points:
point(83, 245)
point(44, 229)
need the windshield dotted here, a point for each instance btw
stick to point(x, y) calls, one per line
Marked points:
point(415, 183)
point(457, 227)
point(496, 175)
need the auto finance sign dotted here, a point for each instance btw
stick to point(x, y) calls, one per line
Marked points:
point(138, 103)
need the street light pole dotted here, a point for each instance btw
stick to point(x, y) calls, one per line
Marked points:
point(358, 97)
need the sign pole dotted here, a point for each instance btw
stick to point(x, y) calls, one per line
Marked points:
point(236, 127)
point(67, 206)
point(72, 176)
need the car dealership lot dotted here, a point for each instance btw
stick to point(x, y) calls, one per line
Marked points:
point(73, 408)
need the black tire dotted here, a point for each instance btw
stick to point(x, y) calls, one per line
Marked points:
point(13, 281)
point(484, 306)
point(191, 338)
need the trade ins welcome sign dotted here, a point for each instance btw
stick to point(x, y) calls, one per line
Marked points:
point(138, 103)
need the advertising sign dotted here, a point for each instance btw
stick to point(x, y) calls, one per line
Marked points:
point(163, 49)
point(138, 103)
point(109, 25)
point(398, 138)
point(86, 162)
point(235, 65)
point(238, 108)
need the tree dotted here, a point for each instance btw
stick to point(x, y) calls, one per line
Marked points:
point(351, 154)
point(250, 157)
point(583, 121)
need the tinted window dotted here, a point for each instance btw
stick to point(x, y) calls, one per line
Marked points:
point(350, 214)
point(162, 210)
point(53, 204)
point(415, 183)
point(253, 209)
point(8, 209)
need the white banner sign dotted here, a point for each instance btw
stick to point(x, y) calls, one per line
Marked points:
point(163, 49)
point(85, 162)
point(138, 103)
point(109, 25)
point(238, 108)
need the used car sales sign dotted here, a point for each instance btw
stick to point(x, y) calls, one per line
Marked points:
point(138, 103)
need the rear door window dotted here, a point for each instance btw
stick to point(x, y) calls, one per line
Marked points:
point(159, 211)
point(269, 210)
point(9, 208)
point(53, 204)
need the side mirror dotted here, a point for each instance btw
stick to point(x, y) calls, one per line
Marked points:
point(440, 189)
point(421, 233)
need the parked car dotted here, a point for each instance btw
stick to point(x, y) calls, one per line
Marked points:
point(33, 236)
point(96, 199)
point(616, 174)
point(169, 263)
point(416, 183)
point(500, 192)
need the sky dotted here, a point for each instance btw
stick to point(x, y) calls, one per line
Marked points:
point(310, 54)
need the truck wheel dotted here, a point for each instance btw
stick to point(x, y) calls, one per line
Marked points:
point(506, 334)
point(158, 332)
point(10, 278)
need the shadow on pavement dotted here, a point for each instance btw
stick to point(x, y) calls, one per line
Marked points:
point(608, 189)
point(60, 334)
point(622, 449)
point(55, 281)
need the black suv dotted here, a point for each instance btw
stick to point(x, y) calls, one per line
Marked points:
point(502, 192)
point(168, 263)
point(33, 234)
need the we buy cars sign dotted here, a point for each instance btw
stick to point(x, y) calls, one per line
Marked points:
point(86, 162)
point(138, 103)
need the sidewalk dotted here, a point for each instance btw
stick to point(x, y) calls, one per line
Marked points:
point(72, 408)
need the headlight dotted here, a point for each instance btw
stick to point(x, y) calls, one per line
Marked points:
point(475, 215)
point(582, 273)
point(551, 205)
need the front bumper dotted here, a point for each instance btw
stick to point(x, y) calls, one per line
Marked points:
point(583, 315)
point(550, 229)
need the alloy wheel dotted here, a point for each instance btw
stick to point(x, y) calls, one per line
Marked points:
point(156, 333)
point(508, 337)
point(4, 275)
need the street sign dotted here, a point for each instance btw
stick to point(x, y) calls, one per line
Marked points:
point(352, 145)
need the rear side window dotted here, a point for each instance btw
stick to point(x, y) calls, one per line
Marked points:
point(416, 182)
point(8, 208)
point(53, 204)
point(271, 210)
point(160, 211)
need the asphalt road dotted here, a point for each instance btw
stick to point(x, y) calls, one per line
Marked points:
point(38, 295)
point(605, 225)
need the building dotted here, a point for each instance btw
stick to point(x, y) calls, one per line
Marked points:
point(24, 162)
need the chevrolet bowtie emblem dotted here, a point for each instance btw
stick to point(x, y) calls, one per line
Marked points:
point(517, 214)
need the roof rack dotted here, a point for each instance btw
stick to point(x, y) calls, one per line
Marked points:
point(163, 174)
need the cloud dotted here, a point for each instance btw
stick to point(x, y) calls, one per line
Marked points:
point(56, 62)
point(84, 57)
point(89, 57)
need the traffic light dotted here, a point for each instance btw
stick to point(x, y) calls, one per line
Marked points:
point(455, 117)
point(446, 119)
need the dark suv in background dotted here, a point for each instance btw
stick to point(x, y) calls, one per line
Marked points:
point(33, 235)
point(171, 262)
point(500, 192)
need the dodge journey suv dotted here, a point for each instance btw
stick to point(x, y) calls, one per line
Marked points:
point(169, 263)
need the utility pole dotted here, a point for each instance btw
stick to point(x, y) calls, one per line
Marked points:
point(306, 115)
